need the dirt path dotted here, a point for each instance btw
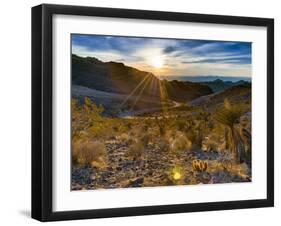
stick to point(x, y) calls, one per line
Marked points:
point(131, 114)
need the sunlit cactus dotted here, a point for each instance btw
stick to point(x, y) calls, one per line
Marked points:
point(199, 165)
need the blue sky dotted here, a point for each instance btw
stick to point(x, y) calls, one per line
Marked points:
point(169, 56)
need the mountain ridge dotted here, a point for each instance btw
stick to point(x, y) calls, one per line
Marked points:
point(116, 77)
point(206, 78)
point(219, 85)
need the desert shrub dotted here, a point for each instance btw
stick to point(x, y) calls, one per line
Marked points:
point(229, 115)
point(107, 128)
point(148, 122)
point(123, 127)
point(101, 130)
point(242, 170)
point(215, 140)
point(129, 125)
point(124, 137)
point(145, 139)
point(136, 131)
point(163, 144)
point(195, 137)
point(136, 150)
point(181, 125)
point(84, 116)
point(161, 123)
point(179, 143)
point(89, 153)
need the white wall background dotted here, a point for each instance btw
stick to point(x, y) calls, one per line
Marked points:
point(15, 120)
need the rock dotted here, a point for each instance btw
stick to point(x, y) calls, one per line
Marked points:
point(149, 173)
point(118, 168)
point(110, 168)
point(203, 177)
point(136, 183)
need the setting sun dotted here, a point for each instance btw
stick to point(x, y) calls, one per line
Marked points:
point(157, 62)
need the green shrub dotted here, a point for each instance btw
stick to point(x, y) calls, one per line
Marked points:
point(84, 116)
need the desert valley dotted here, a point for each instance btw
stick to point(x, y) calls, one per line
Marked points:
point(132, 128)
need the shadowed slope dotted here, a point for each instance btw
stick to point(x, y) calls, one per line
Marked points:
point(118, 78)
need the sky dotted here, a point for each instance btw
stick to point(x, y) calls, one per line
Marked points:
point(169, 57)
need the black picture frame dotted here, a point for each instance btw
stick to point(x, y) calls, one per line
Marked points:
point(42, 106)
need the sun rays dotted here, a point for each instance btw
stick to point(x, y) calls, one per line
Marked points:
point(155, 86)
point(133, 92)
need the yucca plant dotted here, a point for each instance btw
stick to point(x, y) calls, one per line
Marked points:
point(247, 137)
point(161, 123)
point(229, 115)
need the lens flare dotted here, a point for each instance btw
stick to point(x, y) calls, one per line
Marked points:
point(157, 61)
point(177, 176)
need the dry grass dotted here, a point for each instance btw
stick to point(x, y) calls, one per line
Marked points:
point(163, 140)
point(89, 153)
point(136, 150)
point(124, 137)
point(179, 142)
point(145, 139)
point(163, 144)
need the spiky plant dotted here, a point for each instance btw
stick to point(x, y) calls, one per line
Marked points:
point(199, 165)
point(161, 123)
point(247, 137)
point(229, 115)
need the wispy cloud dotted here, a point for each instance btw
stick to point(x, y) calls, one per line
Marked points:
point(231, 60)
point(170, 49)
point(180, 57)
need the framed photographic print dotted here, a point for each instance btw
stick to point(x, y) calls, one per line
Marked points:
point(145, 112)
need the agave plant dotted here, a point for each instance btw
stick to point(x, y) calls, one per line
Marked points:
point(229, 115)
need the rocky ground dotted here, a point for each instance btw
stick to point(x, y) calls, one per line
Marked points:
point(156, 168)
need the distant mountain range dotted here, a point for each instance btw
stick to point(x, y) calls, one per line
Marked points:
point(219, 85)
point(115, 77)
point(206, 78)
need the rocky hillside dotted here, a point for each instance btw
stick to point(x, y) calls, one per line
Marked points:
point(235, 94)
point(118, 78)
